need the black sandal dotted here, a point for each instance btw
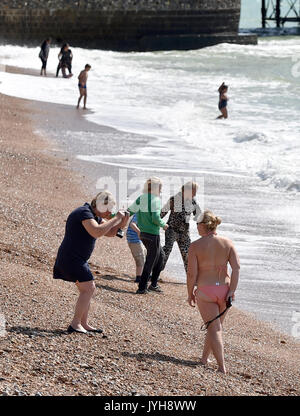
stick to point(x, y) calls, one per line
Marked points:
point(97, 331)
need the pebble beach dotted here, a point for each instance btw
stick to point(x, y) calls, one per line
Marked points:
point(151, 344)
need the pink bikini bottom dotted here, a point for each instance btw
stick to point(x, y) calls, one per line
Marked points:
point(216, 293)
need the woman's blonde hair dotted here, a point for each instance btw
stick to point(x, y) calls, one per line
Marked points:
point(153, 185)
point(210, 220)
point(190, 186)
point(103, 201)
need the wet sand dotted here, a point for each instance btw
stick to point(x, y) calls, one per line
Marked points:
point(152, 343)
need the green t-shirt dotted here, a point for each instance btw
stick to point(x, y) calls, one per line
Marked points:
point(148, 208)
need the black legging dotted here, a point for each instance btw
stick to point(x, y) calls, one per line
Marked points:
point(154, 260)
point(59, 67)
point(44, 63)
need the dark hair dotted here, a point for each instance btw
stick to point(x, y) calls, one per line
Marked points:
point(88, 66)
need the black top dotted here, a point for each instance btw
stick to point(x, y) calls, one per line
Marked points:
point(77, 241)
point(44, 53)
point(66, 57)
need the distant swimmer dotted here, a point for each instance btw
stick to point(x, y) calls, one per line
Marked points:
point(83, 76)
point(43, 55)
point(223, 99)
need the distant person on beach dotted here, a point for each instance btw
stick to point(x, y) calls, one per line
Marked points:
point(65, 57)
point(84, 225)
point(208, 283)
point(182, 206)
point(136, 246)
point(44, 54)
point(59, 59)
point(223, 100)
point(82, 78)
point(148, 209)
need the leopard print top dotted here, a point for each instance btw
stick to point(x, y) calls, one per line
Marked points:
point(181, 212)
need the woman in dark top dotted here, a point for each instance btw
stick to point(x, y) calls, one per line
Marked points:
point(66, 61)
point(84, 225)
point(223, 99)
point(182, 206)
point(43, 55)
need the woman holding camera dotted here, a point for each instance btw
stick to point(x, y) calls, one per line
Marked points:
point(84, 225)
point(208, 283)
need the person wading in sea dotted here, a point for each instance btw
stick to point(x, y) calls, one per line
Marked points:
point(223, 100)
point(82, 78)
point(44, 54)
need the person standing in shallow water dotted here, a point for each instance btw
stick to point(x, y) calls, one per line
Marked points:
point(82, 80)
point(44, 54)
point(208, 283)
point(223, 100)
point(66, 61)
point(84, 225)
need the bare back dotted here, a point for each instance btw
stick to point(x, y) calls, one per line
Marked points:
point(212, 253)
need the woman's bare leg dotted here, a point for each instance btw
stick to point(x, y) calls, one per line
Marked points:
point(86, 291)
point(207, 347)
point(213, 341)
point(224, 113)
point(84, 319)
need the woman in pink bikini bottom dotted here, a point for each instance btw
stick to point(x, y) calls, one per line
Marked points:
point(208, 283)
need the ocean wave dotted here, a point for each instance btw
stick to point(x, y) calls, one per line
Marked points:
point(282, 181)
point(248, 137)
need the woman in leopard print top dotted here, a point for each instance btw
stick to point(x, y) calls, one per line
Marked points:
point(181, 207)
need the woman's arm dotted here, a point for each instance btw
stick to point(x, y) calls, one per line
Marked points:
point(221, 86)
point(165, 209)
point(135, 228)
point(192, 274)
point(234, 262)
point(105, 228)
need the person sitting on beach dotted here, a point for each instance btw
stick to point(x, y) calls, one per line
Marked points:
point(208, 283)
point(223, 99)
point(136, 246)
point(148, 209)
point(44, 54)
point(83, 76)
point(181, 205)
point(84, 225)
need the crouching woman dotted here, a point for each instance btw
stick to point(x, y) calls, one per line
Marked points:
point(84, 225)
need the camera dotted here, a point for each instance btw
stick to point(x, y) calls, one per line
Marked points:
point(120, 233)
point(229, 302)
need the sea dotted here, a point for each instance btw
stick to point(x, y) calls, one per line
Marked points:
point(160, 110)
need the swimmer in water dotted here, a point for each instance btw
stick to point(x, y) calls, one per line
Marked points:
point(223, 99)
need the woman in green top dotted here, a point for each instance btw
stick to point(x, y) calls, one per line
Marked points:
point(148, 209)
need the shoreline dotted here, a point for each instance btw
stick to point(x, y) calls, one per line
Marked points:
point(75, 135)
point(156, 352)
